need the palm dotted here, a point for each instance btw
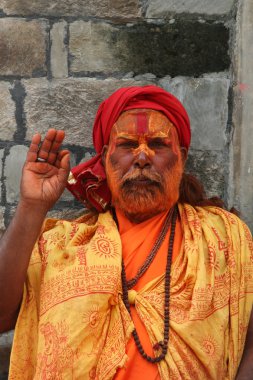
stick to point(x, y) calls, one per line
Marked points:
point(44, 182)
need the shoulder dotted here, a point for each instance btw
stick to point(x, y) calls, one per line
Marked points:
point(76, 218)
point(222, 233)
point(215, 218)
point(62, 232)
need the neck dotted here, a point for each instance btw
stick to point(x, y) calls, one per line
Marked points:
point(140, 217)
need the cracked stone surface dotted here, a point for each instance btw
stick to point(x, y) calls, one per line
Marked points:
point(20, 54)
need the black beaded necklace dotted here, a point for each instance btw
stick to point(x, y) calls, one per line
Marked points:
point(126, 285)
point(131, 283)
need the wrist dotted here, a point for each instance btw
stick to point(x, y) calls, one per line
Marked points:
point(32, 208)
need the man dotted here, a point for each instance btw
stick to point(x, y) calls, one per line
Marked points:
point(154, 285)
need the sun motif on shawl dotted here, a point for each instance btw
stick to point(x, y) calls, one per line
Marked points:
point(92, 317)
point(83, 238)
point(104, 247)
point(211, 348)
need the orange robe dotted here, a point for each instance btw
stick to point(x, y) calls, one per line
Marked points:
point(137, 242)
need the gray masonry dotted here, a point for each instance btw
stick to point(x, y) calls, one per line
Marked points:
point(60, 59)
point(161, 8)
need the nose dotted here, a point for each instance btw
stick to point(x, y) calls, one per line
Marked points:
point(142, 160)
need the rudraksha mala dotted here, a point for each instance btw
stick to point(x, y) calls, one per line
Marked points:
point(125, 287)
point(131, 283)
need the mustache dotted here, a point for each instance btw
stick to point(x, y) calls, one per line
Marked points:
point(141, 175)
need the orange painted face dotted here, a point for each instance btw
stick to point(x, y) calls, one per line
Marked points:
point(143, 163)
point(137, 128)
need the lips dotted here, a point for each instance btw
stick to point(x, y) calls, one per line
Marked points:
point(140, 180)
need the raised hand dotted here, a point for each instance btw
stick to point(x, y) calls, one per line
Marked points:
point(46, 170)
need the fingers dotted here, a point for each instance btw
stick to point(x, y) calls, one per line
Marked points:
point(48, 149)
point(33, 149)
point(50, 146)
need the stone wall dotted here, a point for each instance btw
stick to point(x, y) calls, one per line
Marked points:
point(240, 186)
point(60, 59)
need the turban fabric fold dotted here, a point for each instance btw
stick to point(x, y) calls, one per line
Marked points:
point(87, 181)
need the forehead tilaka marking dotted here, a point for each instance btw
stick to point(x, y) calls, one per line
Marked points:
point(143, 122)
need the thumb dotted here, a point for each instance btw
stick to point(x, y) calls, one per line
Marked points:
point(65, 161)
point(64, 166)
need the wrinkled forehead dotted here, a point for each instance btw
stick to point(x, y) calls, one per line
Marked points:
point(143, 122)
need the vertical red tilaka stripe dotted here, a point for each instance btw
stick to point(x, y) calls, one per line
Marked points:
point(142, 123)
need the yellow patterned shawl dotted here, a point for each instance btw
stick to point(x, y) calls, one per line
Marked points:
point(73, 324)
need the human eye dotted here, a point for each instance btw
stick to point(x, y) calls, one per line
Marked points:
point(125, 143)
point(157, 143)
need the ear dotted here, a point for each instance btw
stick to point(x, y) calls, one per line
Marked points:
point(184, 154)
point(103, 154)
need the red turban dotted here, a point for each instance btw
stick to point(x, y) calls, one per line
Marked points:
point(87, 181)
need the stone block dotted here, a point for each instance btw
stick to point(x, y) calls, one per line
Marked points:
point(9, 213)
point(5, 348)
point(2, 224)
point(206, 101)
point(90, 51)
point(94, 8)
point(7, 112)
point(1, 168)
point(210, 169)
point(69, 209)
point(20, 54)
point(59, 52)
point(162, 8)
point(241, 179)
point(183, 48)
point(68, 104)
point(13, 169)
point(67, 213)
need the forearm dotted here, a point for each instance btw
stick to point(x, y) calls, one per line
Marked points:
point(15, 250)
point(44, 178)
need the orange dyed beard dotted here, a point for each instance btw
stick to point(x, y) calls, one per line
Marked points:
point(140, 203)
